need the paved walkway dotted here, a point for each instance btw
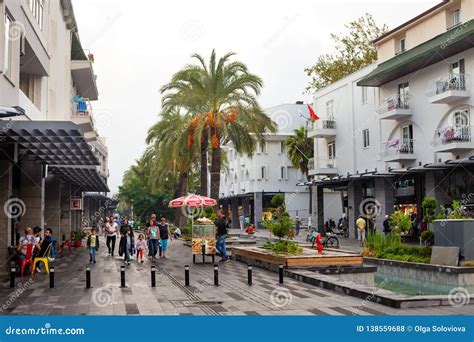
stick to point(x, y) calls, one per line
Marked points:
point(233, 297)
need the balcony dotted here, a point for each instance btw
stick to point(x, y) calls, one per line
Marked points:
point(449, 88)
point(82, 116)
point(323, 129)
point(395, 108)
point(397, 150)
point(84, 78)
point(453, 138)
point(321, 167)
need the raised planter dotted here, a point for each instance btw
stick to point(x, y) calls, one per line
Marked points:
point(261, 257)
point(456, 233)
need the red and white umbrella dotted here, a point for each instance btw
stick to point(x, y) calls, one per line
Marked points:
point(193, 201)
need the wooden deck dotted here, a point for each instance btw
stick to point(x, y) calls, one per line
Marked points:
point(309, 257)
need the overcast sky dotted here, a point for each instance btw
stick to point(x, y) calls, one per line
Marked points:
point(139, 44)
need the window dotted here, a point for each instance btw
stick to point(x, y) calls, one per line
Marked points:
point(364, 94)
point(329, 110)
point(282, 147)
point(402, 46)
point(8, 47)
point(263, 147)
point(457, 67)
point(283, 172)
point(461, 117)
point(36, 7)
point(456, 17)
point(331, 150)
point(407, 132)
point(365, 134)
point(263, 172)
point(403, 93)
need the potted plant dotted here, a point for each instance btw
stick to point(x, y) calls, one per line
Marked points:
point(77, 237)
point(427, 237)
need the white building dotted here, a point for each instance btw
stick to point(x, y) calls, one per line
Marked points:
point(251, 182)
point(50, 151)
point(398, 131)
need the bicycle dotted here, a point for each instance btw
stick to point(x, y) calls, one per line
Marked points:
point(329, 241)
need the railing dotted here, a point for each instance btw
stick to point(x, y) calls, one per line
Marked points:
point(449, 82)
point(394, 102)
point(326, 163)
point(324, 124)
point(311, 164)
point(453, 134)
point(398, 147)
point(82, 107)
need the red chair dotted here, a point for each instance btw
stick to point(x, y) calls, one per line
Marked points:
point(67, 244)
point(28, 259)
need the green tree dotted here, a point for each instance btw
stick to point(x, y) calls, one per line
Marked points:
point(221, 95)
point(354, 51)
point(300, 149)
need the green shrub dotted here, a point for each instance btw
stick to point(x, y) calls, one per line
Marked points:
point(399, 222)
point(281, 227)
point(284, 246)
point(429, 208)
point(427, 236)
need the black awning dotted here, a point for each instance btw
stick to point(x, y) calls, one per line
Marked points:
point(52, 142)
point(87, 178)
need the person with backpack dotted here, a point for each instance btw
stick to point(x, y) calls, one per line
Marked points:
point(222, 225)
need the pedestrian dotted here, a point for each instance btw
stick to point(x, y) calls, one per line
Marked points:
point(153, 234)
point(127, 246)
point(221, 224)
point(361, 225)
point(48, 242)
point(386, 225)
point(345, 226)
point(147, 236)
point(165, 235)
point(297, 224)
point(93, 245)
point(177, 233)
point(27, 239)
point(141, 247)
point(242, 221)
point(111, 233)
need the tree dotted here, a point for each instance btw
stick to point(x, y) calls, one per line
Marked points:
point(221, 95)
point(353, 52)
point(300, 149)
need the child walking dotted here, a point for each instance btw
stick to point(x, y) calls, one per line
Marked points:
point(127, 246)
point(141, 247)
point(93, 245)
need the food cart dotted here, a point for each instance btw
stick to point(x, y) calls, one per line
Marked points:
point(203, 241)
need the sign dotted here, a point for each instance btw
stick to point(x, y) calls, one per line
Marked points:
point(204, 235)
point(76, 203)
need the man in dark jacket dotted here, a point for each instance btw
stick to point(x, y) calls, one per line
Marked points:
point(221, 224)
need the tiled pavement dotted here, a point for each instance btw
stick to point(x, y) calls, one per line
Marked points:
point(170, 297)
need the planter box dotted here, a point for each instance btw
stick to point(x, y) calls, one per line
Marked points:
point(456, 233)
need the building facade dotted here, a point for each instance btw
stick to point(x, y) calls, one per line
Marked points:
point(51, 153)
point(251, 182)
point(401, 129)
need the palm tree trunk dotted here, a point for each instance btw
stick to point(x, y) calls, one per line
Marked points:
point(215, 170)
point(180, 189)
point(203, 176)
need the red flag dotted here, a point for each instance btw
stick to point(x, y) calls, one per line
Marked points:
point(312, 114)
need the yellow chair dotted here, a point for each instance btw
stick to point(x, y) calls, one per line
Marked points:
point(44, 260)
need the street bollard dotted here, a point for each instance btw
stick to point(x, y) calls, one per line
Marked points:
point(51, 277)
point(281, 273)
point(216, 275)
point(186, 275)
point(122, 276)
point(249, 275)
point(12, 277)
point(153, 276)
point(88, 277)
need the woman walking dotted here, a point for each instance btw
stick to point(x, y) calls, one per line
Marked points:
point(111, 233)
point(165, 235)
point(153, 234)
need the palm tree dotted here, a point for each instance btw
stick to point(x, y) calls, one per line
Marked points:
point(300, 149)
point(222, 97)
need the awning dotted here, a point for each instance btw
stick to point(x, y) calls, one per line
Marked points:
point(52, 142)
point(7, 112)
point(445, 45)
point(87, 178)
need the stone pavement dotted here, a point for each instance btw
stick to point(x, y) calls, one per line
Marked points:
point(232, 297)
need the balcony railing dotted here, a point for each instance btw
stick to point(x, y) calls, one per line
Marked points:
point(457, 82)
point(327, 163)
point(453, 134)
point(311, 164)
point(394, 102)
point(81, 106)
point(398, 147)
point(328, 124)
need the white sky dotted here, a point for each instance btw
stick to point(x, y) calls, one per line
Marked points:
point(139, 44)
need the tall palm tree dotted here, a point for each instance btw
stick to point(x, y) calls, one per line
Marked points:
point(300, 149)
point(221, 95)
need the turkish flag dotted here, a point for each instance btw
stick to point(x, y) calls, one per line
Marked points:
point(312, 114)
